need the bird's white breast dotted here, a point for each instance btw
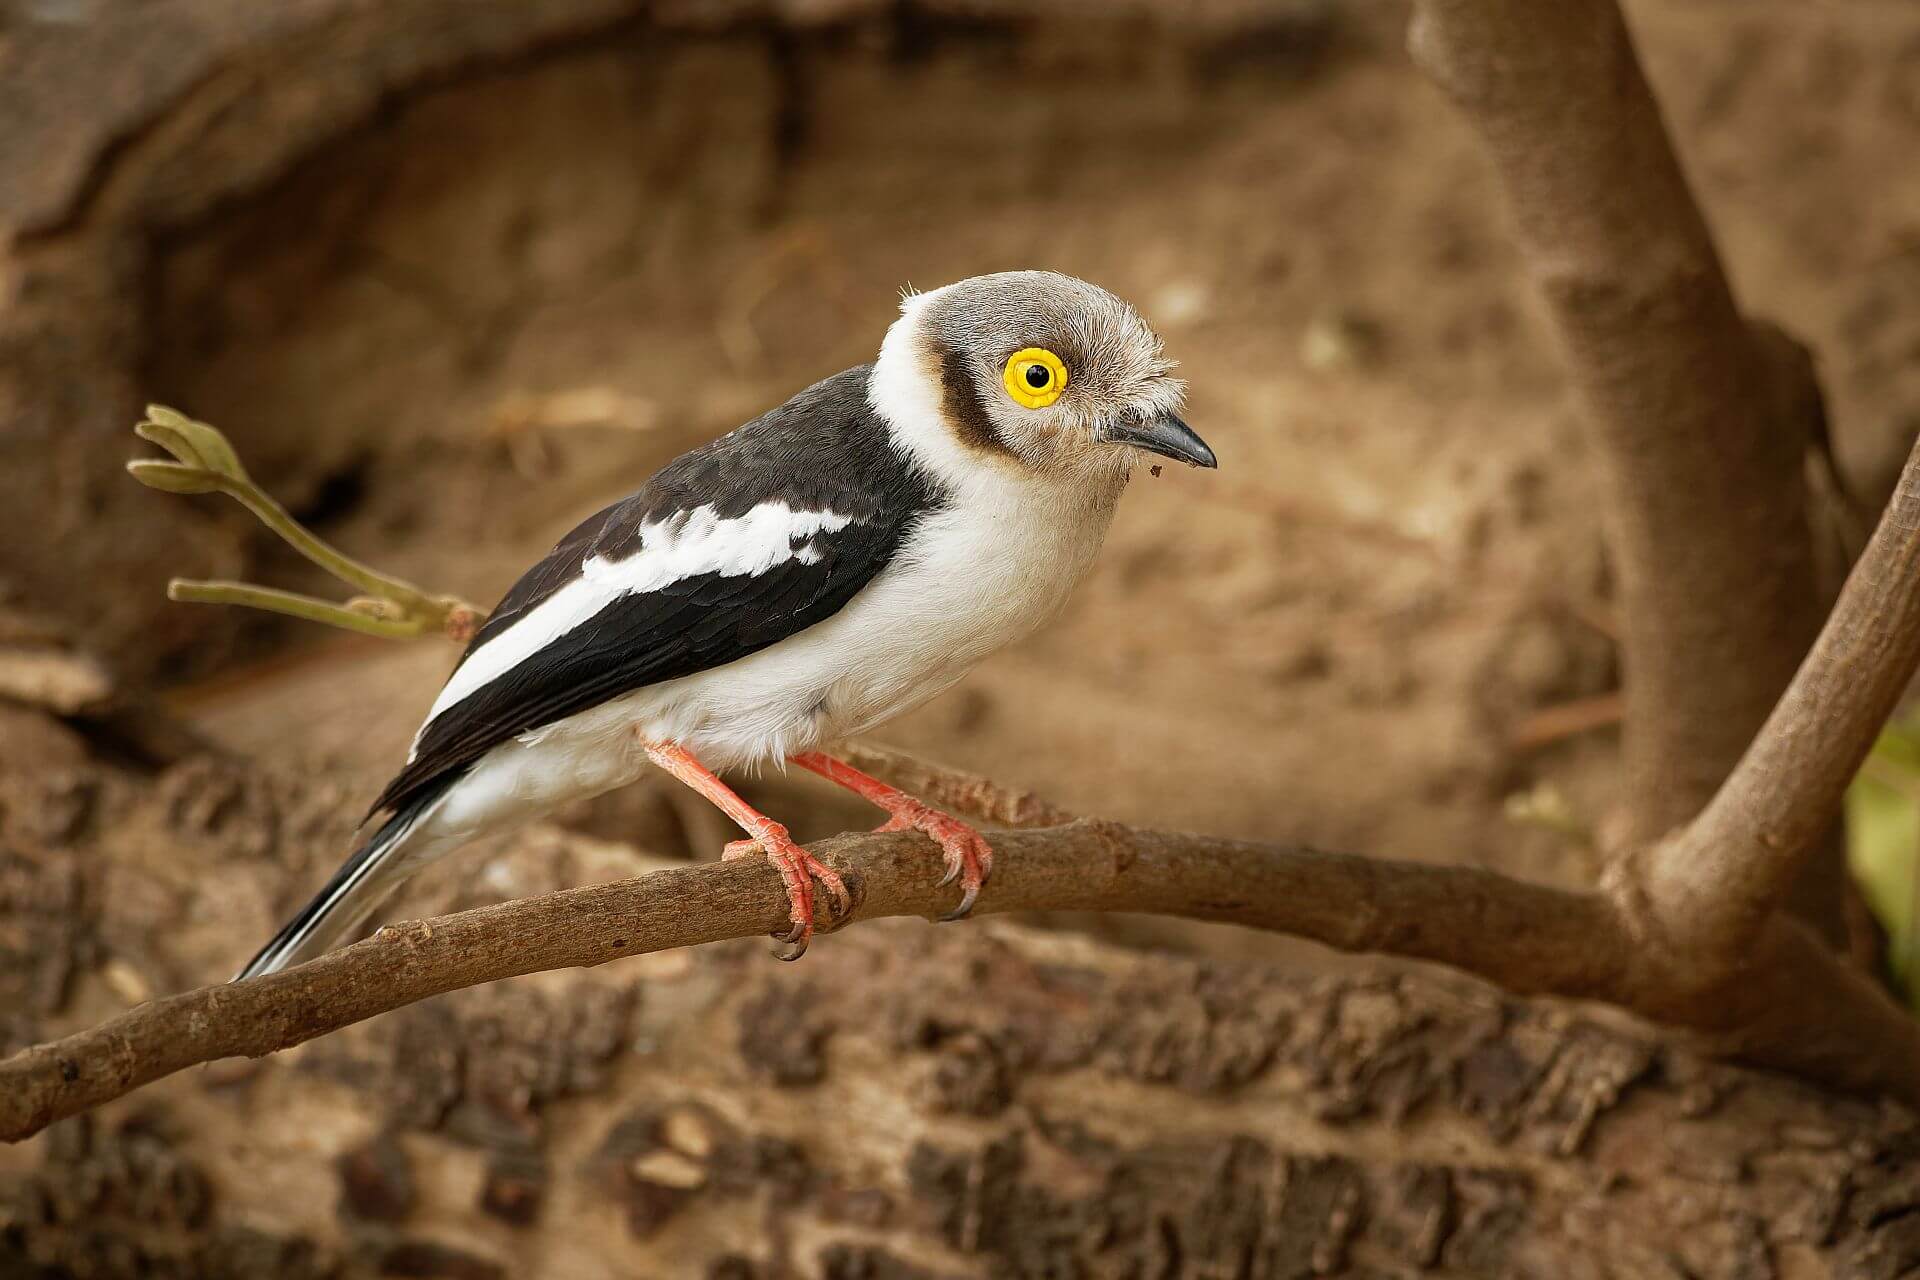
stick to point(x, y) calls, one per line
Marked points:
point(967, 580)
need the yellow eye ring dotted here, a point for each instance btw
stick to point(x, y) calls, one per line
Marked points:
point(1035, 377)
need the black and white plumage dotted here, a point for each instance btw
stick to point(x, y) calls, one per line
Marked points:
point(806, 577)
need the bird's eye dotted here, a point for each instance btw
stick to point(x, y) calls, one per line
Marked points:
point(1035, 377)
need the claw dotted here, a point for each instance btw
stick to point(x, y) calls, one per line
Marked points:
point(969, 859)
point(792, 863)
point(798, 870)
point(967, 897)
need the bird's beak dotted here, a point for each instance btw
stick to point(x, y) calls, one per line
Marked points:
point(1165, 435)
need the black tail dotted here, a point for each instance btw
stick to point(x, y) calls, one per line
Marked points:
point(354, 891)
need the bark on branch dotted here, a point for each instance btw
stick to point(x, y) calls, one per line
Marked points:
point(970, 793)
point(1716, 882)
point(1802, 1010)
point(1524, 937)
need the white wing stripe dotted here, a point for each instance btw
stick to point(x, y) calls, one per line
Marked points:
point(699, 544)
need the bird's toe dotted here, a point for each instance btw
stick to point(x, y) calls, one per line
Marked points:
point(967, 855)
point(983, 856)
point(841, 900)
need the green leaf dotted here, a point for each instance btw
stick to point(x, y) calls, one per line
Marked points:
point(174, 442)
point(1899, 746)
point(192, 442)
point(1883, 846)
point(161, 415)
point(212, 446)
point(172, 477)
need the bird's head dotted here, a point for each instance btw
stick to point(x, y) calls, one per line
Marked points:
point(1037, 370)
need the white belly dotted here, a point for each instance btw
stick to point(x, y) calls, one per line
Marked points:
point(968, 581)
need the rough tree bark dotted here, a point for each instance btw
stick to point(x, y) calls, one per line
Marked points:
point(1525, 937)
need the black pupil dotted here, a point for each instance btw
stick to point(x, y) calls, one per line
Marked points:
point(1038, 376)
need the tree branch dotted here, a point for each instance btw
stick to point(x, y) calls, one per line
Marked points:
point(1700, 424)
point(1805, 1011)
point(1524, 937)
point(1714, 884)
point(969, 793)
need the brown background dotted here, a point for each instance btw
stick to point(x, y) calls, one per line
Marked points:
point(452, 276)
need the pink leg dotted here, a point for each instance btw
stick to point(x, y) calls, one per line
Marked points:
point(969, 856)
point(797, 867)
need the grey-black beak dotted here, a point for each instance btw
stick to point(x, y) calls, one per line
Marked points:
point(1165, 435)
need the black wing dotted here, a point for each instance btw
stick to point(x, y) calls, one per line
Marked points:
point(824, 450)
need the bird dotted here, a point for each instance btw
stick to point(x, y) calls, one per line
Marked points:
point(795, 583)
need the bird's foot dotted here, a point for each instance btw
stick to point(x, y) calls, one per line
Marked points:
point(798, 869)
point(969, 856)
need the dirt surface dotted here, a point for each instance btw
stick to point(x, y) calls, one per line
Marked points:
point(453, 315)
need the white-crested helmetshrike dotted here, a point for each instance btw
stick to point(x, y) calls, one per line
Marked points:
point(798, 581)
